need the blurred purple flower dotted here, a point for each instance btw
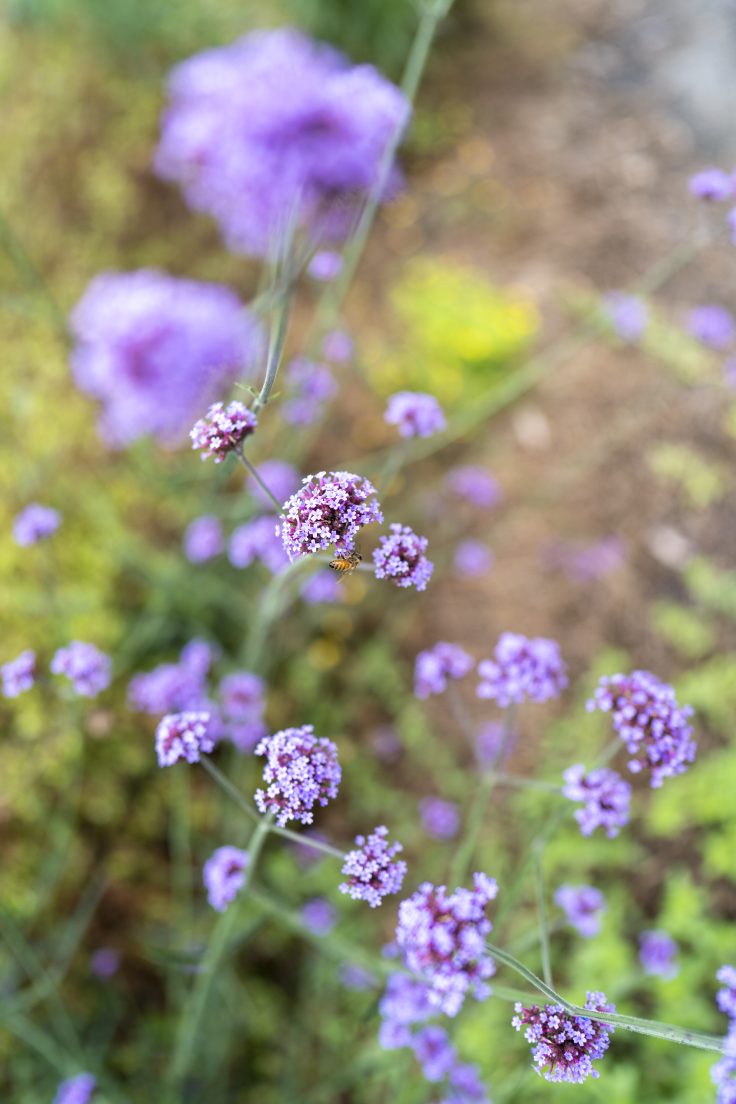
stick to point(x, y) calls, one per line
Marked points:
point(415, 414)
point(726, 997)
point(472, 558)
point(440, 818)
point(405, 1002)
point(372, 870)
point(476, 485)
point(224, 875)
point(723, 1073)
point(325, 265)
point(323, 586)
point(156, 349)
point(400, 557)
point(19, 674)
point(711, 184)
point(257, 540)
point(467, 1087)
point(88, 669)
point(173, 687)
point(712, 325)
point(183, 736)
point(627, 314)
point(311, 385)
point(203, 539)
point(522, 668)
point(386, 743)
point(35, 523)
point(76, 1090)
point(329, 509)
point(301, 771)
point(281, 479)
point(586, 563)
point(241, 694)
point(337, 347)
point(104, 963)
point(319, 916)
point(490, 740)
point(356, 977)
point(222, 430)
point(606, 797)
point(731, 224)
point(438, 664)
point(583, 906)
point(434, 1052)
point(273, 129)
point(658, 954)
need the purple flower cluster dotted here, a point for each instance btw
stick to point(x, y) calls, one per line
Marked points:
point(224, 875)
point(627, 314)
point(329, 509)
point(19, 674)
point(658, 954)
point(372, 871)
point(605, 795)
point(415, 414)
point(275, 128)
point(583, 907)
point(281, 479)
point(442, 938)
point(726, 997)
point(301, 771)
point(712, 184)
point(723, 1073)
point(223, 430)
point(183, 736)
point(712, 325)
point(337, 347)
point(323, 586)
point(438, 664)
point(405, 1002)
point(76, 1090)
point(203, 539)
point(156, 349)
point(522, 668)
point(475, 485)
point(493, 740)
point(440, 818)
point(564, 1047)
point(400, 557)
point(647, 717)
point(585, 563)
point(319, 916)
point(472, 558)
point(242, 700)
point(88, 669)
point(310, 386)
point(35, 523)
point(258, 540)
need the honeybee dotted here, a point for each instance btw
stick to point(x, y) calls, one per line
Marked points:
point(346, 563)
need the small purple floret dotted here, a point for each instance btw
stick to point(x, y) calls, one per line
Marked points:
point(88, 669)
point(475, 485)
point(564, 1047)
point(606, 797)
point(726, 997)
point(76, 1090)
point(223, 430)
point(19, 674)
point(583, 907)
point(183, 736)
point(440, 818)
point(372, 871)
point(203, 539)
point(712, 325)
point(400, 557)
point(658, 954)
point(627, 314)
point(224, 875)
point(522, 668)
point(712, 184)
point(257, 540)
point(35, 523)
point(415, 414)
point(438, 664)
point(301, 771)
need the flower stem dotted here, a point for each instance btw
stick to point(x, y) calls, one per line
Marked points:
point(226, 785)
point(629, 1023)
point(308, 841)
point(543, 919)
point(279, 326)
point(249, 467)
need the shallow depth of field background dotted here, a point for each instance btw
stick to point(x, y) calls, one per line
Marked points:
point(547, 164)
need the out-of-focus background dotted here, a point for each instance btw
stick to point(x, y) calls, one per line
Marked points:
point(546, 165)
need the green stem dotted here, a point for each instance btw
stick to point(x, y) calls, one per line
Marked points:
point(226, 785)
point(543, 919)
point(309, 841)
point(519, 783)
point(392, 467)
point(253, 471)
point(629, 1023)
point(275, 348)
point(30, 274)
point(268, 610)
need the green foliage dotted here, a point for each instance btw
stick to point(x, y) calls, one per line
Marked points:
point(711, 585)
point(685, 629)
point(378, 31)
point(700, 481)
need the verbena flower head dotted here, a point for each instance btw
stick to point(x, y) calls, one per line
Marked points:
point(522, 668)
point(301, 771)
point(88, 669)
point(465, 1086)
point(275, 129)
point(224, 875)
point(222, 430)
point(415, 414)
point(19, 674)
point(647, 717)
point(35, 523)
point(583, 906)
point(173, 687)
point(405, 1002)
point(723, 1073)
point(440, 818)
point(658, 954)
point(183, 736)
point(726, 997)
point(319, 916)
point(472, 558)
point(156, 350)
point(712, 325)
point(310, 386)
point(475, 485)
point(438, 664)
point(329, 509)
point(242, 694)
point(372, 870)
point(712, 184)
point(76, 1090)
point(281, 479)
point(400, 557)
point(203, 539)
point(434, 1052)
point(605, 795)
point(627, 314)
point(442, 938)
point(492, 740)
point(564, 1047)
point(257, 540)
